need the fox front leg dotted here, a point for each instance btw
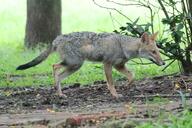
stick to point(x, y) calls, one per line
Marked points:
point(122, 69)
point(108, 73)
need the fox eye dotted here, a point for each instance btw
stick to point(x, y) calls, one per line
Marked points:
point(154, 52)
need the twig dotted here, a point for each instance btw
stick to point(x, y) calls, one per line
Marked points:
point(122, 4)
point(113, 19)
point(163, 8)
point(168, 4)
point(112, 9)
point(138, 3)
point(168, 55)
point(168, 65)
point(146, 63)
point(185, 84)
point(161, 95)
point(161, 76)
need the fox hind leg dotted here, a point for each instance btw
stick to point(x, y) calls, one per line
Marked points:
point(62, 75)
point(56, 68)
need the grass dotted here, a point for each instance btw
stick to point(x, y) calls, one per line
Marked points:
point(163, 118)
point(182, 120)
point(87, 17)
point(169, 120)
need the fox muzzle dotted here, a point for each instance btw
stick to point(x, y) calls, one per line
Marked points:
point(159, 63)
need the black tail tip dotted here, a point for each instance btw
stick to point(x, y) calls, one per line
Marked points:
point(20, 68)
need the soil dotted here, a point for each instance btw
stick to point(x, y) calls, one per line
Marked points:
point(92, 105)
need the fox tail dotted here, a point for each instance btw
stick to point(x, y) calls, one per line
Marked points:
point(37, 60)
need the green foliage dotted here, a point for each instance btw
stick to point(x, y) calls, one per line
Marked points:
point(173, 46)
point(134, 28)
point(157, 100)
point(176, 39)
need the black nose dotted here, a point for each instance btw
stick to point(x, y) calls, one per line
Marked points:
point(163, 63)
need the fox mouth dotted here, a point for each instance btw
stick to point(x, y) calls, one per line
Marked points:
point(155, 62)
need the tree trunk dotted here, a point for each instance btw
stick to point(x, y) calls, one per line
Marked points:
point(43, 21)
point(189, 6)
point(187, 67)
point(189, 2)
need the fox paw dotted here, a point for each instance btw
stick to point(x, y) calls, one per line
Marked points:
point(130, 82)
point(62, 95)
point(117, 95)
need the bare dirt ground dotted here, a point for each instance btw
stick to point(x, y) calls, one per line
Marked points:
point(92, 105)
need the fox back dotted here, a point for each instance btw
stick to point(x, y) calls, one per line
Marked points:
point(103, 47)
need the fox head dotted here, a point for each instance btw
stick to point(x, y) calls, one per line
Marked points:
point(148, 49)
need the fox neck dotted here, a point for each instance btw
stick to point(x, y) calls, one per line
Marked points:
point(132, 50)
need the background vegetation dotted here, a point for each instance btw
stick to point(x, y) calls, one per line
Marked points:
point(77, 15)
point(175, 26)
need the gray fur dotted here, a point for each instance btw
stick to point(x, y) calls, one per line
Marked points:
point(104, 47)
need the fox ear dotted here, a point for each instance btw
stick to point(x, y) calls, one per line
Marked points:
point(145, 38)
point(154, 36)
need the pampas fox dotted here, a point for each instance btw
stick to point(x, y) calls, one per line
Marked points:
point(113, 50)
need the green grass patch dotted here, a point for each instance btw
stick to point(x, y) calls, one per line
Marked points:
point(157, 100)
point(180, 120)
